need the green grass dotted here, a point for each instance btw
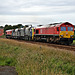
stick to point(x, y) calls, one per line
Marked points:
point(3, 36)
point(32, 59)
point(74, 36)
point(7, 61)
point(73, 42)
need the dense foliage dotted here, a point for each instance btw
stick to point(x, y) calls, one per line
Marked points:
point(8, 27)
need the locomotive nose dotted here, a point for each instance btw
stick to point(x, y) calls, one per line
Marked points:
point(66, 34)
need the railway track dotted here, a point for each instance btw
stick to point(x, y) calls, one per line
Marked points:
point(70, 47)
point(67, 47)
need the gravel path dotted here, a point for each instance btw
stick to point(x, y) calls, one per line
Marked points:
point(7, 70)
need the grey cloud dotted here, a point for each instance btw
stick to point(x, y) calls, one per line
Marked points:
point(50, 9)
point(40, 10)
point(12, 6)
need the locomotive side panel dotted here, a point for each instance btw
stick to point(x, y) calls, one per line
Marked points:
point(1, 32)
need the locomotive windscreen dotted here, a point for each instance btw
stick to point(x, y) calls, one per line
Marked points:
point(63, 28)
point(70, 28)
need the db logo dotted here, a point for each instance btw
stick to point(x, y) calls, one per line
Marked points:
point(66, 33)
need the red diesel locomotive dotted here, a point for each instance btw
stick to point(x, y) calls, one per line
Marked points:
point(62, 33)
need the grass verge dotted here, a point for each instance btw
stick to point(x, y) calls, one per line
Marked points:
point(73, 42)
point(32, 59)
point(3, 36)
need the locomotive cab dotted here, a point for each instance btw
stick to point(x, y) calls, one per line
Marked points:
point(66, 32)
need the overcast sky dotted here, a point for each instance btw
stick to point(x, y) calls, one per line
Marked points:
point(36, 11)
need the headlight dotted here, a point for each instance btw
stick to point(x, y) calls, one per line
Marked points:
point(71, 35)
point(61, 35)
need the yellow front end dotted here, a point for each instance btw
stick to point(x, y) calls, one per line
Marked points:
point(32, 33)
point(66, 34)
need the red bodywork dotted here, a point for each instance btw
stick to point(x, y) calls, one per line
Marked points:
point(1, 32)
point(52, 29)
point(8, 32)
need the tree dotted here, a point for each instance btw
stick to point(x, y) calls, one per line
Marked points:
point(8, 27)
point(1, 27)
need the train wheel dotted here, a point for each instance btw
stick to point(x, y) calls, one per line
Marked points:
point(47, 40)
point(29, 38)
point(35, 38)
point(61, 42)
point(69, 42)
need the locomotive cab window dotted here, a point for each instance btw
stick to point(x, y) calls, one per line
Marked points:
point(37, 31)
point(57, 28)
point(63, 28)
point(70, 28)
point(34, 30)
point(6, 32)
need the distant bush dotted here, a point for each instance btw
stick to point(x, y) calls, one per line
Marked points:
point(74, 37)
